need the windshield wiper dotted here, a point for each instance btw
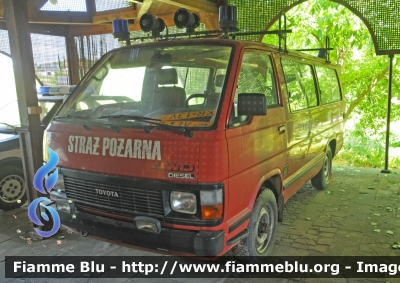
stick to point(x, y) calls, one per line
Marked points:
point(185, 131)
point(86, 121)
point(129, 117)
point(156, 122)
point(11, 126)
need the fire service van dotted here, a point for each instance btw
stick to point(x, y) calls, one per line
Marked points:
point(192, 143)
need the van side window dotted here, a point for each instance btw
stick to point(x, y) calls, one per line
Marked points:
point(300, 84)
point(256, 76)
point(328, 84)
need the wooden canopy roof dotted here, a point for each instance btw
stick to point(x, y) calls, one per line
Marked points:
point(92, 21)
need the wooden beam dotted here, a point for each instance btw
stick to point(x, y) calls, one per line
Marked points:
point(222, 3)
point(144, 8)
point(72, 60)
point(48, 29)
point(91, 7)
point(194, 5)
point(109, 16)
point(56, 17)
point(81, 30)
point(208, 20)
point(34, 6)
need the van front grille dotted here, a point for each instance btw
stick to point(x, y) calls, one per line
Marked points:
point(115, 199)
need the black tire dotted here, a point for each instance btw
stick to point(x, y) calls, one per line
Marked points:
point(260, 240)
point(322, 179)
point(12, 187)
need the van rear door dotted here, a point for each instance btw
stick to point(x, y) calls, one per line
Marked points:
point(327, 123)
point(302, 98)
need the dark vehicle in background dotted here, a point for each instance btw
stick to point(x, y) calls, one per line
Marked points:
point(12, 184)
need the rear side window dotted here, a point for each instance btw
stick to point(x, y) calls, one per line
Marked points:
point(328, 84)
point(300, 84)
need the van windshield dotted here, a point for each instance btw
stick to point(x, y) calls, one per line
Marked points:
point(177, 85)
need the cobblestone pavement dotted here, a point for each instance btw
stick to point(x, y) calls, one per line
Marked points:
point(359, 214)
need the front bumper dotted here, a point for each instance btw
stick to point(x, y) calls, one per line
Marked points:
point(199, 243)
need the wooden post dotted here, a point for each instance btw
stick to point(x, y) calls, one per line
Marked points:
point(73, 62)
point(31, 131)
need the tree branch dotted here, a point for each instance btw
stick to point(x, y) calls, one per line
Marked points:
point(317, 37)
point(370, 87)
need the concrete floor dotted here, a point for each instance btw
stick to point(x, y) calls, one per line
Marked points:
point(359, 214)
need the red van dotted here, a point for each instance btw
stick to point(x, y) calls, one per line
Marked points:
point(193, 146)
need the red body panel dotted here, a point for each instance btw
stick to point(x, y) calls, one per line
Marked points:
point(280, 148)
point(176, 152)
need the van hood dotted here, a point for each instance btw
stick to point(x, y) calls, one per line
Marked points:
point(159, 154)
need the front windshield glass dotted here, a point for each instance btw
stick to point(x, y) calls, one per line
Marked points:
point(177, 85)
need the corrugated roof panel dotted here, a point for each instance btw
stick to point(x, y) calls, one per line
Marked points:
point(105, 5)
point(65, 6)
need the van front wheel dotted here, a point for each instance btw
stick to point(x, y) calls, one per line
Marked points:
point(322, 179)
point(262, 229)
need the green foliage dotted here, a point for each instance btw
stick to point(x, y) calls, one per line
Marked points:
point(360, 149)
point(364, 75)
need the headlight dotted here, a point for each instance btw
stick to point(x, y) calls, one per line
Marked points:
point(183, 202)
point(64, 206)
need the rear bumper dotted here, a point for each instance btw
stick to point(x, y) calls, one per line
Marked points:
point(199, 243)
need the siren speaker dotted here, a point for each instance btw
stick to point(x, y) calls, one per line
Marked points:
point(147, 22)
point(150, 23)
point(184, 19)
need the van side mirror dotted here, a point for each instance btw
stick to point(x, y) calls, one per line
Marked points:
point(252, 104)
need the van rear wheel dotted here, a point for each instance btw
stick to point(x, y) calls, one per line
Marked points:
point(262, 229)
point(322, 179)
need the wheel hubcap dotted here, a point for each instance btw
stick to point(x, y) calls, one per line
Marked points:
point(265, 228)
point(327, 169)
point(11, 188)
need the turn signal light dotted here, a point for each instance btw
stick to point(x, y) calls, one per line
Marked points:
point(212, 212)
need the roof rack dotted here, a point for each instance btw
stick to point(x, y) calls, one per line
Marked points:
point(227, 21)
point(322, 52)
